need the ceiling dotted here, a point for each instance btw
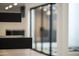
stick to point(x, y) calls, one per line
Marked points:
point(15, 8)
point(6, 4)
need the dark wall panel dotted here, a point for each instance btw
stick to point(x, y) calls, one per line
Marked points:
point(15, 32)
point(22, 11)
point(15, 43)
point(10, 17)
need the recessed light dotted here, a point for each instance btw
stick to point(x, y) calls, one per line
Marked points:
point(15, 4)
point(6, 8)
point(10, 6)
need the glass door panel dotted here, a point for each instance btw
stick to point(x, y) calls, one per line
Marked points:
point(37, 28)
point(46, 29)
point(54, 43)
point(33, 27)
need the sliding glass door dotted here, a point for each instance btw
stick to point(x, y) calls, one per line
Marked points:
point(43, 28)
point(32, 28)
point(46, 29)
point(37, 28)
point(54, 41)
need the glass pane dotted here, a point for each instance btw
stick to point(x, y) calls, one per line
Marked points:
point(73, 29)
point(46, 29)
point(37, 28)
point(33, 27)
point(54, 43)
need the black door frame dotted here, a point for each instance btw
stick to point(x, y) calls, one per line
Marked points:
point(51, 5)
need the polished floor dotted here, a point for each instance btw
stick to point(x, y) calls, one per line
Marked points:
point(19, 52)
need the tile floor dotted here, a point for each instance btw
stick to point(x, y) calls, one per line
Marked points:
point(19, 52)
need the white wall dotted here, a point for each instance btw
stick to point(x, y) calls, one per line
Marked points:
point(13, 25)
point(62, 29)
